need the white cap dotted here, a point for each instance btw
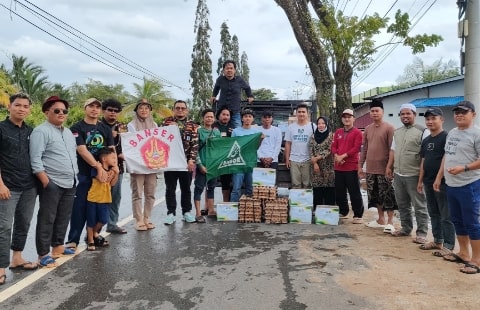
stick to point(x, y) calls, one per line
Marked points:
point(348, 111)
point(408, 106)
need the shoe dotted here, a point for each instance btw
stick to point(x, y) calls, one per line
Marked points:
point(170, 219)
point(99, 241)
point(200, 219)
point(374, 224)
point(400, 233)
point(188, 217)
point(343, 217)
point(71, 245)
point(357, 220)
point(419, 240)
point(117, 231)
point(389, 229)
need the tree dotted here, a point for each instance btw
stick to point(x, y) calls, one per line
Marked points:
point(201, 73)
point(29, 78)
point(264, 94)
point(154, 92)
point(96, 89)
point(418, 72)
point(6, 88)
point(336, 46)
point(235, 56)
point(226, 43)
point(244, 67)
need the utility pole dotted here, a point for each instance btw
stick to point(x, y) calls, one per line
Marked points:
point(472, 55)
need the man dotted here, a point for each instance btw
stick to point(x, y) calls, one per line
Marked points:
point(188, 132)
point(404, 166)
point(111, 108)
point(461, 169)
point(267, 154)
point(346, 145)
point(54, 162)
point(91, 135)
point(225, 128)
point(377, 139)
point(297, 152)
point(17, 185)
point(230, 87)
point(433, 148)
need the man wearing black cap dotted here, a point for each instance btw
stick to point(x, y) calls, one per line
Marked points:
point(461, 169)
point(54, 162)
point(17, 185)
point(431, 152)
point(267, 153)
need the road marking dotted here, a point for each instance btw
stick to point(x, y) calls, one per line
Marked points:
point(42, 271)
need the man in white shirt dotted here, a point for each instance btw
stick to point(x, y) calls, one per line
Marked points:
point(267, 154)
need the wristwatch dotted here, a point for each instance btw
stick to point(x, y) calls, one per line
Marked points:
point(466, 168)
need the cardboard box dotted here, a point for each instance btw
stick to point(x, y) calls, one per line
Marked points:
point(327, 215)
point(264, 176)
point(283, 192)
point(300, 215)
point(227, 211)
point(300, 197)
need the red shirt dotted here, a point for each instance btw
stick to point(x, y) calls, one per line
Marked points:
point(348, 142)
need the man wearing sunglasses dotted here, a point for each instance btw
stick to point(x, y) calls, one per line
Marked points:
point(111, 109)
point(54, 162)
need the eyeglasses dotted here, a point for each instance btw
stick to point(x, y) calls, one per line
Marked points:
point(57, 111)
point(461, 112)
point(180, 108)
point(112, 110)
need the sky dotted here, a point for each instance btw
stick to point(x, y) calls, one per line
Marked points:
point(158, 36)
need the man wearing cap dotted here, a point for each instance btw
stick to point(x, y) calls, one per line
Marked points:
point(433, 148)
point(404, 166)
point(91, 135)
point(346, 145)
point(224, 126)
point(17, 185)
point(297, 151)
point(54, 162)
point(111, 109)
point(461, 169)
point(377, 139)
point(267, 153)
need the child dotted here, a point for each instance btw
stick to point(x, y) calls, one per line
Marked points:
point(100, 196)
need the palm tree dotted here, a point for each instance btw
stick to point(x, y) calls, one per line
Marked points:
point(29, 78)
point(154, 92)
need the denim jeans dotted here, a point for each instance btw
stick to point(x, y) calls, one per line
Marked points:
point(53, 215)
point(238, 179)
point(236, 120)
point(348, 180)
point(464, 204)
point(17, 212)
point(115, 205)
point(200, 182)
point(407, 196)
point(171, 179)
point(79, 210)
point(437, 204)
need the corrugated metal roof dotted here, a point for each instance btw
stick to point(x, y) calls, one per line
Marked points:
point(363, 121)
point(436, 102)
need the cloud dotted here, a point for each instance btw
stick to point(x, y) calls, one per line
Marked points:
point(137, 26)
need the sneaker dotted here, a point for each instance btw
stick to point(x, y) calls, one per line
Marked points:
point(389, 229)
point(374, 224)
point(188, 217)
point(170, 219)
point(357, 220)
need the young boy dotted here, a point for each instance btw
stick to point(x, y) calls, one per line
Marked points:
point(100, 196)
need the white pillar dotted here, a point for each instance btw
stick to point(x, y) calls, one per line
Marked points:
point(472, 56)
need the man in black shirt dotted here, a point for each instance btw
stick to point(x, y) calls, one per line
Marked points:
point(230, 87)
point(17, 185)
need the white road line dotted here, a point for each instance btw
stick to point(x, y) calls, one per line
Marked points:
point(38, 274)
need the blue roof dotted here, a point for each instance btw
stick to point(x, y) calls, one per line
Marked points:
point(436, 102)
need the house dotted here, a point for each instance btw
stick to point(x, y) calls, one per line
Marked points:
point(443, 94)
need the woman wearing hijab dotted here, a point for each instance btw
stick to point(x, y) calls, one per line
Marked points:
point(142, 184)
point(323, 176)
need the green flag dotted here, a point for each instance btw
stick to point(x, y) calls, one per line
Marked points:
point(231, 155)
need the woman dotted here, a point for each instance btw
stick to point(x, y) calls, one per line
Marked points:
point(323, 176)
point(142, 184)
point(204, 133)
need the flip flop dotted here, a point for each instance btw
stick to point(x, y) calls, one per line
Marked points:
point(454, 258)
point(24, 266)
point(429, 246)
point(200, 219)
point(47, 262)
point(101, 242)
point(66, 252)
point(3, 279)
point(470, 269)
point(442, 252)
point(400, 233)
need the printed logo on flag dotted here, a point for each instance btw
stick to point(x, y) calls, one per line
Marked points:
point(155, 153)
point(234, 157)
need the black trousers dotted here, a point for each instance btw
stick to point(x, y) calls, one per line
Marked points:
point(323, 196)
point(348, 180)
point(171, 179)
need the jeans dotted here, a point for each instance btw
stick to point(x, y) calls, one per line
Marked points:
point(200, 182)
point(115, 205)
point(300, 174)
point(238, 179)
point(464, 204)
point(79, 210)
point(236, 120)
point(143, 185)
point(407, 196)
point(442, 227)
point(53, 215)
point(17, 212)
point(171, 179)
point(348, 180)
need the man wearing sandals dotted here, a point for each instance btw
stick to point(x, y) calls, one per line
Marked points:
point(54, 162)
point(461, 169)
point(433, 148)
point(404, 166)
point(17, 185)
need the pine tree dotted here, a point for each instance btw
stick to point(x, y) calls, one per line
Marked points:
point(235, 56)
point(201, 73)
point(244, 67)
point(226, 42)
